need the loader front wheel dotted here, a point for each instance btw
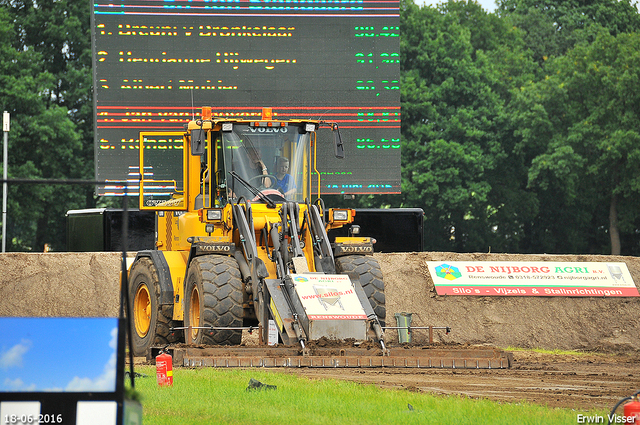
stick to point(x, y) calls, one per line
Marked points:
point(213, 298)
point(152, 321)
point(367, 270)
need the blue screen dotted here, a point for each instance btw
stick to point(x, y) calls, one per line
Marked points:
point(58, 354)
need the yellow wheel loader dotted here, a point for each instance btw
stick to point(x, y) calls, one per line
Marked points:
point(239, 243)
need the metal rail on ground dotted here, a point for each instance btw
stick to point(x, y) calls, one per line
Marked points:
point(341, 356)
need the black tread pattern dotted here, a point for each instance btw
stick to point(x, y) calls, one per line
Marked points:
point(367, 270)
point(222, 290)
point(144, 271)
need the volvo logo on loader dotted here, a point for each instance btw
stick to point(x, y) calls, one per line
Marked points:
point(354, 249)
point(357, 249)
point(215, 248)
point(269, 129)
point(223, 249)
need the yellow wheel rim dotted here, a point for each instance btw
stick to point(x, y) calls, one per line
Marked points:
point(194, 312)
point(142, 310)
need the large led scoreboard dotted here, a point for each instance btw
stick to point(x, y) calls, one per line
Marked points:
point(157, 62)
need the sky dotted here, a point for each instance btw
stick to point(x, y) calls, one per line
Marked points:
point(58, 354)
point(488, 5)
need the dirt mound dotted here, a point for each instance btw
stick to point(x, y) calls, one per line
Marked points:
point(60, 284)
point(568, 323)
point(86, 284)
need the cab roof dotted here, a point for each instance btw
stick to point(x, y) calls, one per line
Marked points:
point(210, 122)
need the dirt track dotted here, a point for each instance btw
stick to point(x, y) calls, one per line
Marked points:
point(86, 284)
point(575, 382)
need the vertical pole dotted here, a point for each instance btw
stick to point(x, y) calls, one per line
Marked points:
point(5, 130)
point(265, 299)
point(125, 301)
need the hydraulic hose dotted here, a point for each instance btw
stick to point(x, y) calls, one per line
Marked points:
point(613, 411)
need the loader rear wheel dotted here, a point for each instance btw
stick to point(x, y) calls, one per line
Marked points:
point(367, 270)
point(151, 321)
point(213, 297)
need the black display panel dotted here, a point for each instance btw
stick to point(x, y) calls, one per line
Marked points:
point(158, 62)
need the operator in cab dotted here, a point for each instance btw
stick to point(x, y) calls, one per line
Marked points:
point(284, 181)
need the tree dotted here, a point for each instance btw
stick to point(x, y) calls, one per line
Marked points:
point(45, 85)
point(453, 97)
point(552, 27)
point(581, 128)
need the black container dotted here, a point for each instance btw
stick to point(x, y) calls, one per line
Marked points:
point(394, 229)
point(100, 229)
point(91, 230)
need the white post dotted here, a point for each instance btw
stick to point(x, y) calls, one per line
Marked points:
point(5, 129)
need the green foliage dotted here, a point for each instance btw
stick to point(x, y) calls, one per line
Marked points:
point(568, 16)
point(220, 397)
point(555, 352)
point(45, 84)
point(552, 27)
point(580, 128)
point(519, 128)
point(459, 66)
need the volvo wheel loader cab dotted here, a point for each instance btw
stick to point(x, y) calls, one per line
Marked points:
point(239, 243)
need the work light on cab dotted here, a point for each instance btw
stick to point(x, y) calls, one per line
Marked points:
point(340, 215)
point(214, 215)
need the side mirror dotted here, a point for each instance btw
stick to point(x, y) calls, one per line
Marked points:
point(337, 142)
point(198, 141)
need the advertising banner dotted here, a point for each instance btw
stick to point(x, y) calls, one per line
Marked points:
point(507, 278)
point(328, 297)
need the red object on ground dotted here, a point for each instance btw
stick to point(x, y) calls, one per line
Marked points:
point(164, 370)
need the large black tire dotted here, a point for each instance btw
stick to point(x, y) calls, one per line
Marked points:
point(151, 322)
point(213, 297)
point(367, 270)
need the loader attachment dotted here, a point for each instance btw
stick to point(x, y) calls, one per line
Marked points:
point(348, 357)
point(321, 246)
point(323, 306)
point(312, 305)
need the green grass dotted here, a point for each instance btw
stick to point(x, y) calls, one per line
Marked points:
point(214, 396)
point(557, 352)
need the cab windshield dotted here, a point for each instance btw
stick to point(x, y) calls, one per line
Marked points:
point(273, 160)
